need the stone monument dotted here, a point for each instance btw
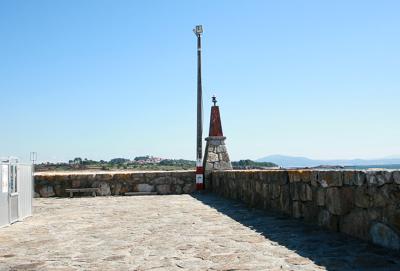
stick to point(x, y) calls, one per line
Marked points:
point(216, 155)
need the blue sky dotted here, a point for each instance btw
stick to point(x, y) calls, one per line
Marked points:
point(103, 79)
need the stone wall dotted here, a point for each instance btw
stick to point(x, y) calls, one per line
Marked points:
point(117, 183)
point(362, 204)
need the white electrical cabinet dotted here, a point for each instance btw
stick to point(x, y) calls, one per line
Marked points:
point(16, 191)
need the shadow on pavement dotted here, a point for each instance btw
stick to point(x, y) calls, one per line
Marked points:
point(334, 251)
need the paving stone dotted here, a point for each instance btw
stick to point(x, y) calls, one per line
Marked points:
point(176, 232)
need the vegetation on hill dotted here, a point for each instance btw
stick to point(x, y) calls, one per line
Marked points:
point(249, 164)
point(140, 163)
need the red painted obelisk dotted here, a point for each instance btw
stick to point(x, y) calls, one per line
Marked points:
point(216, 155)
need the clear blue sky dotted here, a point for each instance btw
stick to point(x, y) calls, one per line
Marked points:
point(103, 79)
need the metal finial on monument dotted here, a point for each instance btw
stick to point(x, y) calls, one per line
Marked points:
point(214, 100)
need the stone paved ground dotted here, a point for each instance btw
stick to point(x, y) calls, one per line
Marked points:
point(176, 233)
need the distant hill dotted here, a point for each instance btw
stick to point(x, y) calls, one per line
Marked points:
point(249, 164)
point(298, 161)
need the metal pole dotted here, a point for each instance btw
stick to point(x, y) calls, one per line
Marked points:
point(199, 149)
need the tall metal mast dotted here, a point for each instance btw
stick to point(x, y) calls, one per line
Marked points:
point(198, 31)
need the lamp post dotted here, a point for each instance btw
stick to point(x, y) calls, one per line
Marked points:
point(198, 31)
point(33, 157)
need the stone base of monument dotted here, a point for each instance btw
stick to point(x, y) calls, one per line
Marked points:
point(216, 155)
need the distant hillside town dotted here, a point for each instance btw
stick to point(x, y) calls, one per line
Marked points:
point(146, 162)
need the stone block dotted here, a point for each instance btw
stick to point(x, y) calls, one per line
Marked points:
point(379, 199)
point(296, 211)
point(225, 165)
point(104, 177)
point(116, 188)
point(223, 157)
point(331, 178)
point(188, 188)
point(362, 198)
point(327, 220)
point(339, 201)
point(295, 190)
point(392, 216)
point(306, 176)
point(310, 211)
point(284, 200)
point(47, 191)
point(209, 166)
point(217, 166)
point(59, 190)
point(383, 235)
point(305, 192)
point(280, 177)
point(144, 187)
point(121, 177)
point(320, 197)
point(220, 149)
point(212, 157)
point(378, 178)
point(275, 190)
point(353, 178)
point(356, 224)
point(76, 183)
point(178, 189)
point(164, 189)
point(104, 188)
point(396, 177)
point(294, 176)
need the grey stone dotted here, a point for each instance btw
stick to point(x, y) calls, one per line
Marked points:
point(377, 178)
point(276, 190)
point(104, 188)
point(296, 209)
point(217, 166)
point(339, 201)
point(362, 198)
point(294, 177)
point(116, 189)
point(143, 187)
point(356, 224)
point(104, 177)
point(223, 156)
point(295, 190)
point(209, 166)
point(320, 198)
point(331, 178)
point(396, 177)
point(58, 189)
point(327, 220)
point(188, 188)
point(212, 157)
point(305, 193)
point(221, 149)
point(323, 183)
point(379, 199)
point(163, 189)
point(354, 178)
point(36, 195)
point(176, 233)
point(383, 235)
point(225, 165)
point(76, 183)
point(216, 140)
point(310, 211)
point(178, 189)
point(47, 191)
